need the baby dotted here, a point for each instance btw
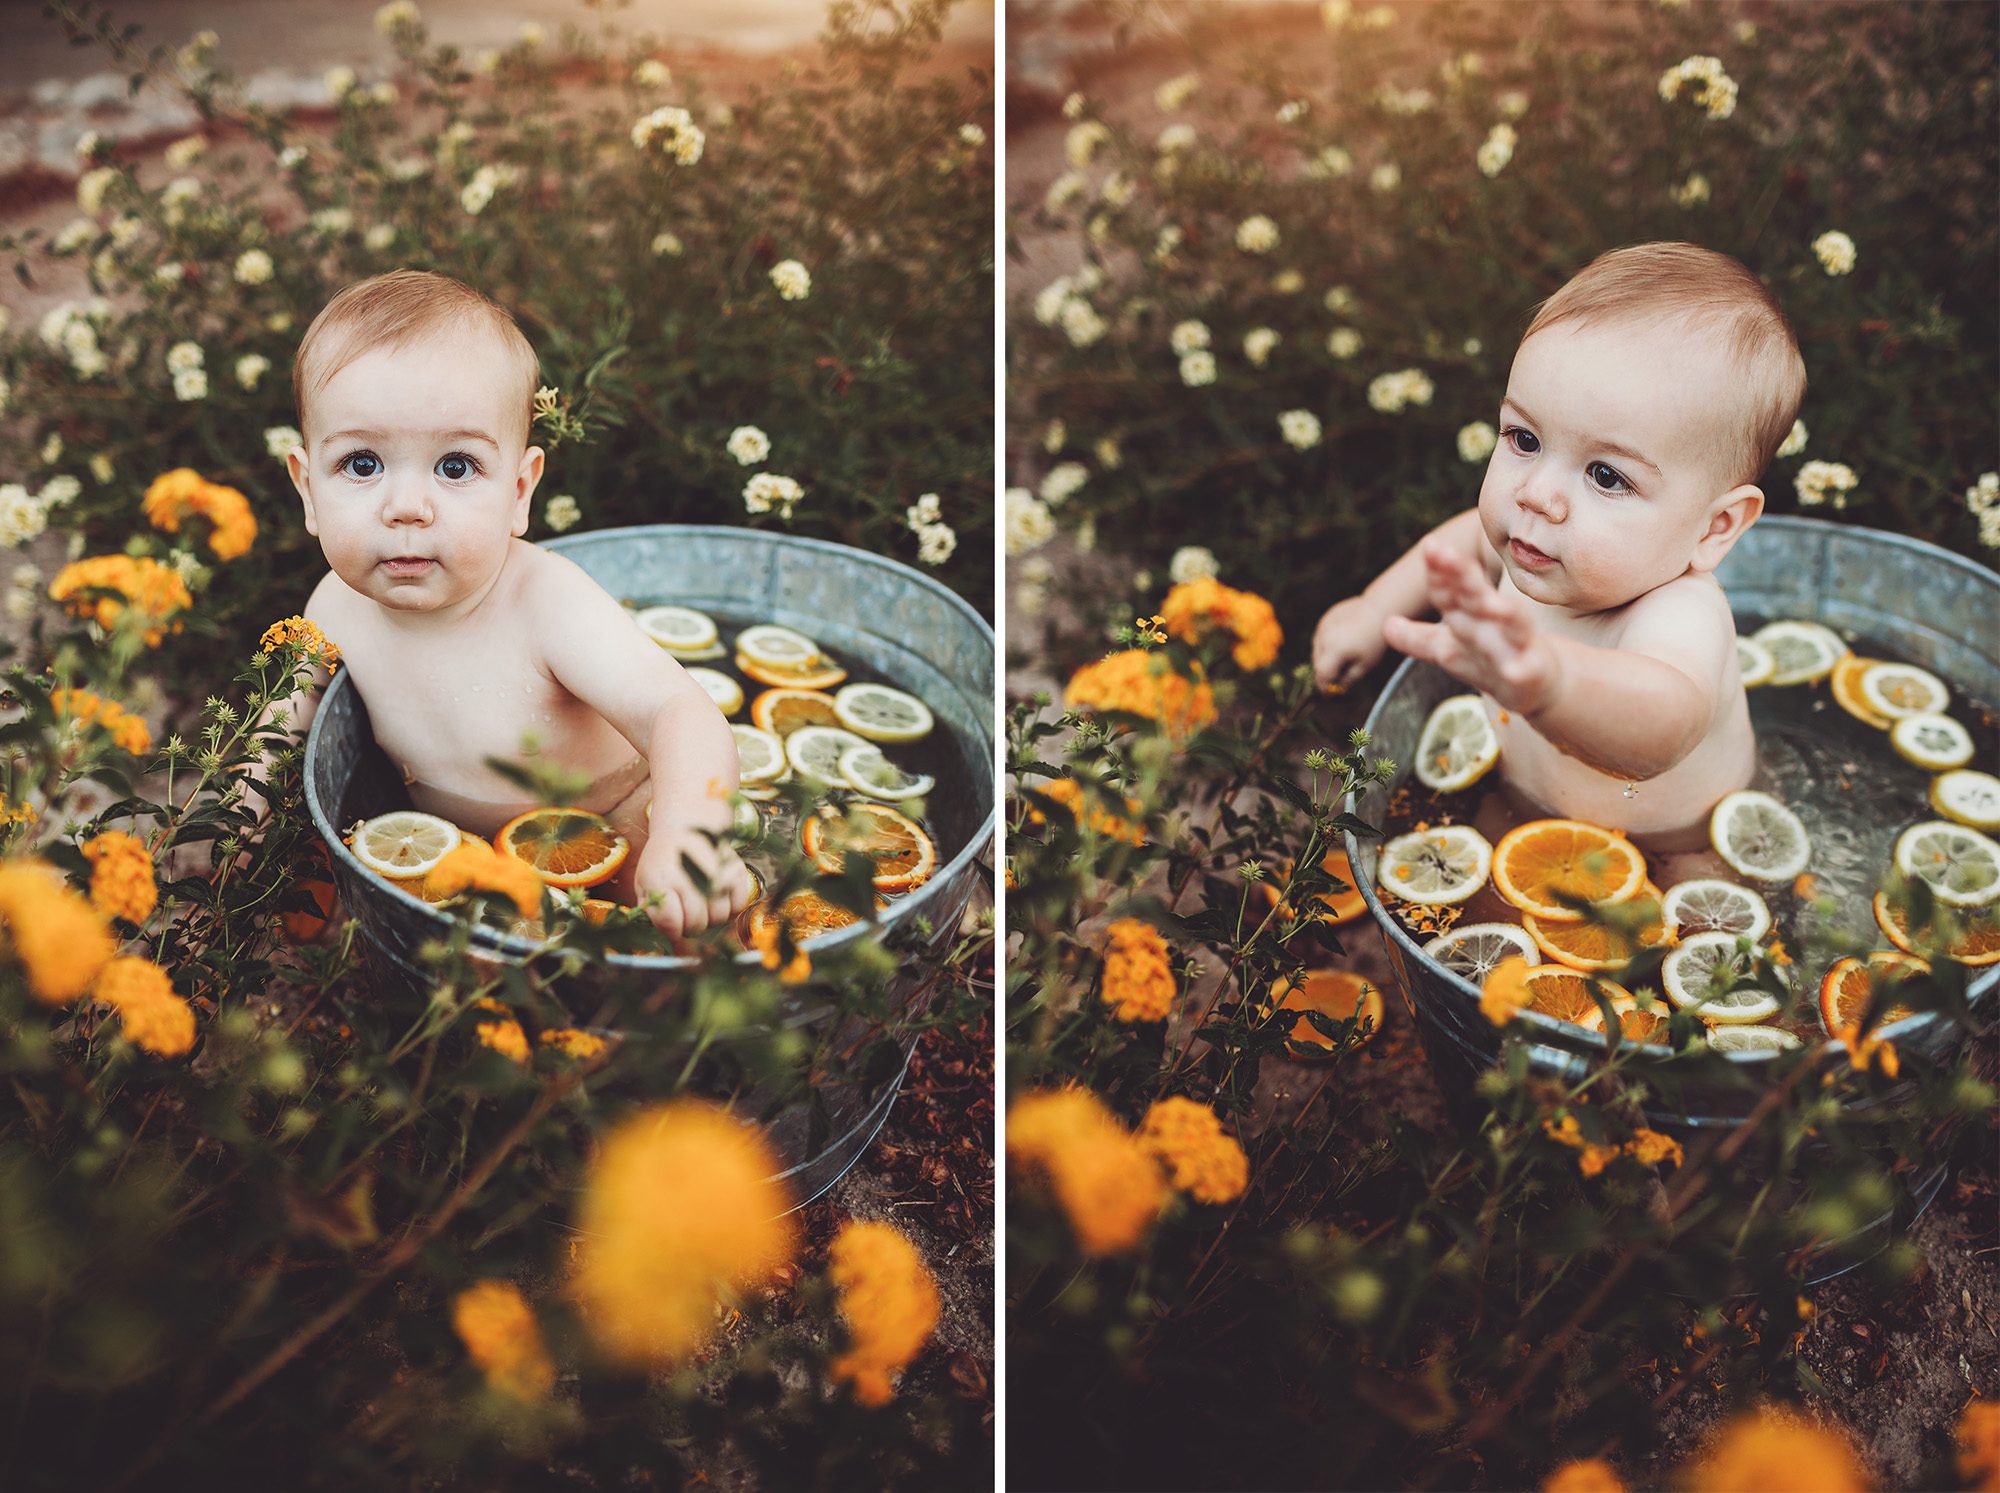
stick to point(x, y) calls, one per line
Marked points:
point(464, 640)
point(1579, 598)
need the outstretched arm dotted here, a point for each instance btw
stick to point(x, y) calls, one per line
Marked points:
point(1348, 641)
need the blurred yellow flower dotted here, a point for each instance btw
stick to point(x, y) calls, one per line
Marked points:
point(1143, 683)
point(1138, 977)
point(59, 938)
point(505, 1038)
point(1197, 607)
point(127, 730)
point(1069, 793)
point(764, 939)
point(1505, 991)
point(501, 1336)
point(477, 865)
point(1772, 1451)
point(149, 1013)
point(151, 590)
point(1591, 1158)
point(1979, 1446)
point(1105, 1180)
point(175, 495)
point(572, 1043)
point(1202, 1159)
point(121, 876)
point(1589, 1476)
point(1650, 1148)
point(887, 1299)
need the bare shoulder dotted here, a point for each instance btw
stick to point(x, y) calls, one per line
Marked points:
point(558, 591)
point(1686, 621)
point(335, 609)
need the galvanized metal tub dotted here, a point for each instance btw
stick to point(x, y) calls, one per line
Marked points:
point(865, 607)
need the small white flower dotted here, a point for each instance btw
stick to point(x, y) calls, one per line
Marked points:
point(792, 280)
point(292, 157)
point(1080, 322)
point(1476, 441)
point(1292, 111)
point(191, 385)
point(1825, 482)
point(1257, 235)
point(1474, 347)
point(184, 357)
point(1393, 392)
point(52, 449)
point(6, 395)
point(1288, 282)
point(1105, 449)
point(1055, 435)
point(21, 517)
point(1745, 32)
point(1175, 137)
point(1073, 106)
point(479, 191)
point(1300, 428)
point(59, 490)
point(280, 439)
point(1984, 495)
point(1835, 252)
point(767, 491)
point(1343, 342)
point(184, 153)
point(383, 94)
point(1257, 346)
point(379, 237)
point(561, 512)
point(1692, 192)
point(1340, 299)
point(1512, 103)
point(1061, 482)
point(1794, 441)
point(170, 273)
point(928, 509)
point(250, 368)
point(935, 543)
point(102, 469)
point(88, 144)
point(1188, 337)
point(75, 234)
point(1118, 189)
point(652, 73)
point(253, 267)
point(1175, 92)
point(1496, 150)
point(176, 197)
point(396, 16)
point(679, 136)
point(91, 187)
point(333, 221)
point(1386, 177)
point(973, 135)
point(1198, 369)
point(340, 82)
point(279, 322)
point(1028, 523)
point(1193, 562)
point(1332, 160)
point(1713, 91)
point(1049, 299)
point(1080, 145)
point(748, 445)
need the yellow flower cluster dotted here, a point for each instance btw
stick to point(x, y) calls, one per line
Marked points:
point(21, 813)
point(149, 1012)
point(681, 1209)
point(501, 1336)
point(1870, 1051)
point(1202, 1159)
point(1647, 1147)
point(572, 1043)
point(1979, 1445)
point(151, 590)
point(1650, 1148)
point(506, 1038)
point(1143, 683)
point(1505, 990)
point(1138, 977)
point(887, 1299)
point(1195, 608)
point(1069, 793)
point(121, 876)
point(304, 635)
point(764, 939)
point(1106, 1181)
point(1592, 1475)
point(1769, 1451)
point(59, 938)
point(477, 865)
point(127, 730)
point(176, 495)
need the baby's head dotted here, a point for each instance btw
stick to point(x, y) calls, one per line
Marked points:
point(1645, 400)
point(414, 394)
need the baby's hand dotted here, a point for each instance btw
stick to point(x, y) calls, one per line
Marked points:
point(1481, 636)
point(1346, 643)
point(669, 894)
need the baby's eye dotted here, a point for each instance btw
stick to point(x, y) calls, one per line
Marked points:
point(1524, 441)
point(359, 464)
point(1607, 477)
point(457, 467)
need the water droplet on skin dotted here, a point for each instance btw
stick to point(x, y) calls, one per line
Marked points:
point(1631, 790)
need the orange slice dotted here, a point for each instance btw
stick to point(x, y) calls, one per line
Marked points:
point(1544, 859)
point(1844, 989)
point(821, 673)
point(1564, 993)
point(1340, 907)
point(1846, 682)
point(1338, 993)
point(904, 855)
point(1977, 942)
point(566, 847)
point(807, 914)
point(1634, 1025)
point(781, 711)
point(1591, 945)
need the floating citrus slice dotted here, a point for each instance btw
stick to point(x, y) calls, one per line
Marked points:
point(1592, 944)
point(868, 772)
point(904, 855)
point(1436, 867)
point(1702, 962)
point(766, 791)
point(1902, 690)
point(1567, 994)
point(404, 845)
point(1754, 662)
point(775, 647)
point(760, 756)
point(679, 630)
point(1712, 905)
point(1538, 863)
point(1338, 993)
point(806, 914)
point(783, 711)
point(1635, 1024)
point(1936, 743)
point(1974, 936)
point(1961, 865)
point(719, 687)
point(1846, 682)
point(1847, 984)
point(1752, 1039)
point(1759, 837)
point(1972, 798)
point(1801, 651)
point(814, 752)
point(883, 714)
point(1476, 949)
point(565, 847)
point(823, 674)
point(1457, 746)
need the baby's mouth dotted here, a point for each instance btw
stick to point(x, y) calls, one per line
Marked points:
point(404, 565)
point(1528, 557)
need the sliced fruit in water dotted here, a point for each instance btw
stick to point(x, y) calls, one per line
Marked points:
point(1634, 1023)
point(1935, 742)
point(1568, 994)
point(1901, 690)
point(565, 847)
point(1846, 682)
point(1457, 746)
point(1761, 1041)
point(814, 753)
point(1338, 993)
point(1712, 905)
point(904, 855)
point(1537, 864)
point(1476, 949)
point(883, 714)
point(1970, 797)
point(1754, 662)
point(680, 630)
point(719, 687)
point(1759, 837)
point(868, 771)
point(1961, 865)
point(1969, 936)
point(1802, 651)
point(404, 845)
point(782, 711)
point(1695, 969)
point(1436, 867)
point(1596, 942)
point(775, 647)
point(1845, 987)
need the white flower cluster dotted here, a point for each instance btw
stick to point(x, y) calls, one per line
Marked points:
point(485, 182)
point(936, 539)
point(562, 512)
point(748, 445)
point(280, 439)
point(340, 82)
point(767, 491)
point(1455, 70)
point(398, 16)
point(176, 197)
point(1193, 562)
point(24, 592)
point(1055, 436)
point(1062, 302)
point(1080, 145)
point(791, 280)
point(1513, 103)
point(91, 187)
point(1257, 235)
point(1476, 441)
point(1794, 441)
point(675, 130)
point(1826, 482)
point(74, 235)
point(1332, 160)
point(1198, 369)
point(1692, 192)
point(667, 246)
point(1032, 577)
point(1288, 282)
point(1983, 500)
point(1028, 523)
point(185, 363)
point(1835, 252)
point(22, 516)
point(379, 236)
point(1343, 342)
point(334, 221)
point(250, 370)
point(1392, 392)
point(1061, 482)
point(1175, 92)
point(1175, 138)
point(1497, 149)
point(184, 153)
point(253, 267)
point(1711, 89)
point(1118, 189)
point(1187, 337)
point(1403, 101)
point(1258, 345)
point(1293, 110)
point(1386, 177)
point(1300, 428)
point(652, 73)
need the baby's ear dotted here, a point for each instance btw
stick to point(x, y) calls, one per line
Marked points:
point(1728, 516)
point(525, 482)
point(295, 466)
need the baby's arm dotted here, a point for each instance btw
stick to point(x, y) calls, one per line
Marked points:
point(595, 651)
point(1632, 711)
point(1348, 641)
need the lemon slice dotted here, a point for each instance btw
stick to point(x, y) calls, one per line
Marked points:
point(1691, 970)
point(719, 687)
point(1754, 662)
point(760, 756)
point(1936, 742)
point(1457, 746)
point(815, 751)
point(1846, 683)
point(766, 791)
point(1436, 867)
point(1961, 865)
point(404, 845)
point(882, 714)
point(1759, 837)
point(1476, 950)
point(1969, 797)
point(776, 647)
point(678, 629)
point(1752, 1039)
point(1711, 905)
point(1903, 690)
point(868, 772)
point(1800, 651)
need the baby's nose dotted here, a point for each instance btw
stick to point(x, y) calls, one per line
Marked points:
point(406, 503)
point(1544, 499)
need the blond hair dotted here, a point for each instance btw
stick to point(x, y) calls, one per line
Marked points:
point(1699, 289)
point(394, 310)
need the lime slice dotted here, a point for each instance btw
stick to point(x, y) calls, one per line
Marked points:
point(1903, 690)
point(1457, 746)
point(1936, 742)
point(868, 772)
point(719, 687)
point(1800, 651)
point(776, 647)
point(1755, 1040)
point(1754, 662)
point(760, 756)
point(1961, 865)
point(1436, 867)
point(1759, 837)
point(1712, 905)
point(815, 751)
point(678, 629)
point(1969, 797)
point(882, 714)
point(1476, 950)
point(1696, 969)
point(404, 845)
